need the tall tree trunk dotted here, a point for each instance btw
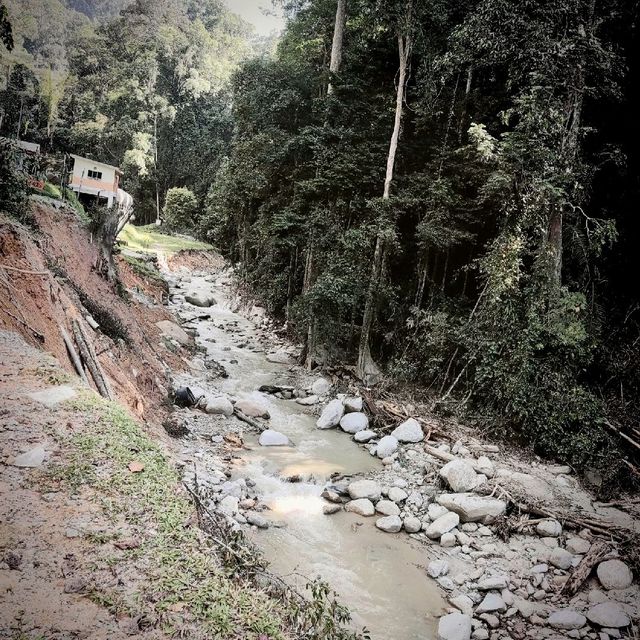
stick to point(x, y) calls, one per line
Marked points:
point(366, 368)
point(336, 46)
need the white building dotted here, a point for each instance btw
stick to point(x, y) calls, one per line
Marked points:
point(98, 182)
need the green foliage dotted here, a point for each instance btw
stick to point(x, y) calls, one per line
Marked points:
point(180, 209)
point(13, 185)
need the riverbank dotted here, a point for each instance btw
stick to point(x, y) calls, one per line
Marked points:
point(516, 546)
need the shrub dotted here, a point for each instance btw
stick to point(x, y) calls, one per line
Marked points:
point(180, 208)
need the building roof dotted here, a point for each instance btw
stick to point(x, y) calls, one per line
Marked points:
point(96, 162)
point(29, 147)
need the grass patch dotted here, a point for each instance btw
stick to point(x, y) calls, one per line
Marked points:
point(186, 590)
point(149, 239)
point(143, 269)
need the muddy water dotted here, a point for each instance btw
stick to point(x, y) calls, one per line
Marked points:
point(379, 576)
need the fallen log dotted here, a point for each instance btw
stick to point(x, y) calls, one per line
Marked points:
point(75, 358)
point(250, 421)
point(597, 552)
point(89, 358)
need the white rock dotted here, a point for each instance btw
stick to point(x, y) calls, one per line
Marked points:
point(397, 494)
point(219, 405)
point(320, 387)
point(608, 614)
point(228, 505)
point(361, 506)
point(257, 520)
point(434, 511)
point(448, 539)
point(464, 603)
point(492, 602)
point(271, 438)
point(198, 300)
point(172, 330)
point(566, 619)
point(578, 546)
point(460, 475)
point(387, 508)
point(354, 422)
point(331, 415)
point(549, 528)
point(454, 626)
point(412, 524)
point(386, 447)
point(493, 583)
point(389, 524)
point(352, 404)
point(364, 436)
point(409, 431)
point(308, 401)
point(30, 459)
point(614, 574)
point(252, 408)
point(365, 489)
point(472, 508)
point(279, 357)
point(561, 558)
point(484, 465)
point(442, 525)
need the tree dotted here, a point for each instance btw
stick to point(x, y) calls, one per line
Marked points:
point(180, 208)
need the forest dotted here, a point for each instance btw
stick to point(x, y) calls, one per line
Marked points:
point(437, 194)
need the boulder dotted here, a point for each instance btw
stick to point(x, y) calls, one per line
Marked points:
point(320, 387)
point(442, 525)
point(198, 300)
point(354, 422)
point(365, 489)
point(491, 602)
point(252, 409)
point(396, 494)
point(228, 505)
point(412, 524)
point(279, 357)
point(454, 626)
point(434, 511)
point(566, 619)
point(257, 520)
point(460, 475)
point(437, 568)
point(579, 546)
point(614, 574)
point(271, 438)
point(549, 528)
point(174, 332)
point(561, 558)
point(331, 415)
point(329, 509)
point(364, 436)
point(472, 508)
point(220, 405)
point(493, 583)
point(448, 539)
point(387, 508)
point(485, 466)
point(386, 447)
point(308, 401)
point(352, 404)
point(361, 506)
point(409, 431)
point(30, 459)
point(608, 614)
point(389, 524)
point(464, 603)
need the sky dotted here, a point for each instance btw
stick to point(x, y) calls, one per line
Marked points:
point(253, 11)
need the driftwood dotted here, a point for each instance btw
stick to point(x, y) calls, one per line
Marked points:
point(75, 358)
point(36, 334)
point(27, 271)
point(448, 457)
point(596, 553)
point(90, 359)
point(250, 421)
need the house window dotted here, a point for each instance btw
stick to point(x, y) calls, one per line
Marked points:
point(96, 175)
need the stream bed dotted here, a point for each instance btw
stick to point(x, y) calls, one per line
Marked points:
point(379, 576)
